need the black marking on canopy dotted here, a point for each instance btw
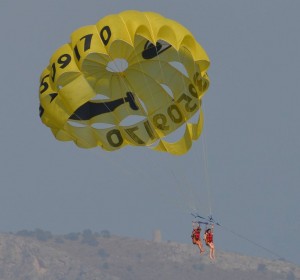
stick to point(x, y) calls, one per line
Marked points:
point(41, 111)
point(53, 96)
point(92, 109)
point(151, 51)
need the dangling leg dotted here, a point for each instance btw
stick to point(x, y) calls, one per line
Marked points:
point(199, 243)
point(211, 251)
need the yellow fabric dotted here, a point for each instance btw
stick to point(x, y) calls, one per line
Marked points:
point(136, 66)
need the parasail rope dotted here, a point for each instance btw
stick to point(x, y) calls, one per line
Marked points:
point(253, 242)
point(205, 164)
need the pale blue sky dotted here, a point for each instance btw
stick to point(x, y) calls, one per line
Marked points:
point(252, 135)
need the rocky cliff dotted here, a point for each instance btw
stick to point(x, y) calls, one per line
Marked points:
point(76, 256)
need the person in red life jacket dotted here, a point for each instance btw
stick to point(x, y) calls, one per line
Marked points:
point(196, 238)
point(209, 241)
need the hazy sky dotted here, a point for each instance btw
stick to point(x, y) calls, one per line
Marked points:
point(252, 132)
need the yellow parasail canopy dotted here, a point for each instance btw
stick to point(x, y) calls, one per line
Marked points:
point(136, 66)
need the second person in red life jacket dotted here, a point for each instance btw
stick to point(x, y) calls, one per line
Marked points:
point(209, 241)
point(196, 239)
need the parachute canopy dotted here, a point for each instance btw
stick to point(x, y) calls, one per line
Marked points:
point(131, 79)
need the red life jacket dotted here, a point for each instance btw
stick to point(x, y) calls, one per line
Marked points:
point(209, 237)
point(196, 234)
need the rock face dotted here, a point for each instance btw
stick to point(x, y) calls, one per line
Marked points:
point(27, 258)
point(91, 256)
